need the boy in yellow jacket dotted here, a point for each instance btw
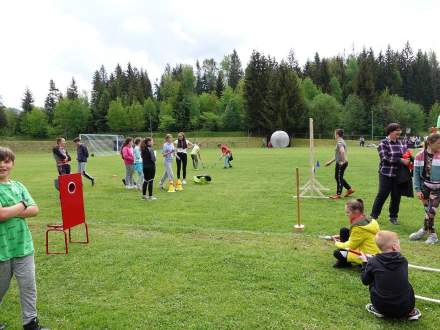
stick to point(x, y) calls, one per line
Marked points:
point(359, 238)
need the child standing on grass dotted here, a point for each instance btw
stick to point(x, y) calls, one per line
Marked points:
point(387, 275)
point(62, 157)
point(128, 158)
point(195, 156)
point(341, 164)
point(149, 168)
point(427, 186)
point(138, 162)
point(182, 145)
point(81, 156)
point(168, 153)
point(359, 238)
point(16, 245)
point(227, 154)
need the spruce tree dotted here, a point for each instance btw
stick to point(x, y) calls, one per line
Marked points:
point(51, 100)
point(235, 70)
point(220, 85)
point(72, 90)
point(27, 101)
point(199, 82)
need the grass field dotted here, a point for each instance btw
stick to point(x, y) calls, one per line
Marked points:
point(220, 256)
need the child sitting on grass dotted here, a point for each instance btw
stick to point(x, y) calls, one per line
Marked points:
point(387, 275)
point(16, 245)
point(359, 238)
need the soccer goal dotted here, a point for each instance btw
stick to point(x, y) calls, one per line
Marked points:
point(102, 144)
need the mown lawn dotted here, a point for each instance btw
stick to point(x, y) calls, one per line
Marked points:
point(220, 256)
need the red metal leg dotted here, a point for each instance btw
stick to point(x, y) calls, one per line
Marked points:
point(80, 242)
point(66, 249)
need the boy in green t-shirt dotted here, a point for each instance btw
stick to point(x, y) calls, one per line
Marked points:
point(16, 246)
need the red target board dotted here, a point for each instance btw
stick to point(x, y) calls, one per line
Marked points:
point(72, 202)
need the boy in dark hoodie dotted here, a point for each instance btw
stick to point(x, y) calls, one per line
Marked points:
point(387, 275)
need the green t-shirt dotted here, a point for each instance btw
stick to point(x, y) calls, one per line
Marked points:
point(15, 236)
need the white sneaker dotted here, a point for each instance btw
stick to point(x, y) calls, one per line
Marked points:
point(152, 198)
point(183, 181)
point(128, 187)
point(417, 235)
point(145, 198)
point(432, 239)
point(370, 308)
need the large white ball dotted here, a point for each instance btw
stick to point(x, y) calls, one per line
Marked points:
point(279, 139)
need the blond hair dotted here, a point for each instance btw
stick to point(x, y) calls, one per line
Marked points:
point(385, 239)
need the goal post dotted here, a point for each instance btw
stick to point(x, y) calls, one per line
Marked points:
point(102, 144)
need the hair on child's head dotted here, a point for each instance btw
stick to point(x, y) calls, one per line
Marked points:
point(433, 138)
point(137, 140)
point(356, 205)
point(385, 239)
point(168, 136)
point(6, 154)
point(77, 139)
point(59, 140)
point(339, 132)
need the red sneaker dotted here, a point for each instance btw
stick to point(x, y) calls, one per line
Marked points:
point(349, 192)
point(335, 197)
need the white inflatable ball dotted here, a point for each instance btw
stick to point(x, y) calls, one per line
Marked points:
point(279, 139)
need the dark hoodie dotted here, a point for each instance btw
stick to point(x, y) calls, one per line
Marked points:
point(387, 275)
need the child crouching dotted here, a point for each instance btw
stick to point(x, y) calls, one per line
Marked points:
point(358, 239)
point(387, 275)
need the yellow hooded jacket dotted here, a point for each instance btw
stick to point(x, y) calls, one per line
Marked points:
point(362, 239)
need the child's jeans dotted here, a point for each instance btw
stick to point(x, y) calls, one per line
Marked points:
point(129, 170)
point(227, 161)
point(24, 270)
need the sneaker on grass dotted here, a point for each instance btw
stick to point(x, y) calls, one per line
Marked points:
point(414, 315)
point(418, 234)
point(145, 198)
point(152, 198)
point(432, 239)
point(370, 308)
point(394, 221)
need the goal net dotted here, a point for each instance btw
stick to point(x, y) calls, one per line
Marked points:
point(102, 144)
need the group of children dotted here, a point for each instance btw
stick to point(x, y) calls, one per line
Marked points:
point(140, 158)
point(384, 269)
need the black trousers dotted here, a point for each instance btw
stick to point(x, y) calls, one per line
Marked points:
point(339, 177)
point(387, 185)
point(63, 169)
point(344, 235)
point(181, 164)
point(149, 173)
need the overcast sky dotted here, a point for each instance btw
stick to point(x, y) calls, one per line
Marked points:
point(45, 39)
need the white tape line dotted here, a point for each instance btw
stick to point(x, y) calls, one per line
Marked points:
point(428, 299)
point(428, 269)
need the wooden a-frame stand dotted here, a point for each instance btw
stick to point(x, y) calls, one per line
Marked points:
point(312, 188)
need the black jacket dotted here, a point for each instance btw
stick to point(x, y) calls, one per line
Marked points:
point(82, 153)
point(148, 157)
point(390, 291)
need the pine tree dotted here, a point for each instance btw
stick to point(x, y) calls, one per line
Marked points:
point(220, 85)
point(435, 76)
point(235, 70)
point(209, 68)
point(51, 100)
point(293, 62)
point(365, 81)
point(27, 101)
point(72, 90)
point(324, 76)
point(199, 82)
point(422, 91)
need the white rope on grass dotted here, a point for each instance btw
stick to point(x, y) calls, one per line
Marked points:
point(428, 299)
point(428, 269)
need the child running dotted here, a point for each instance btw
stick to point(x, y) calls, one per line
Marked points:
point(386, 273)
point(168, 153)
point(81, 156)
point(16, 245)
point(427, 186)
point(128, 158)
point(138, 168)
point(149, 168)
point(227, 154)
point(359, 238)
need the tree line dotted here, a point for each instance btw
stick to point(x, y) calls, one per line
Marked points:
point(355, 92)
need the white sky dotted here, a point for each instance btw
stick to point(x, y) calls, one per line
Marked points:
point(45, 39)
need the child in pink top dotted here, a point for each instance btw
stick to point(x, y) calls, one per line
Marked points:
point(128, 157)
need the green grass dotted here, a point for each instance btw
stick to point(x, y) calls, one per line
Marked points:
point(216, 256)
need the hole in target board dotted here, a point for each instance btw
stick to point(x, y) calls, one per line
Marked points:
point(71, 187)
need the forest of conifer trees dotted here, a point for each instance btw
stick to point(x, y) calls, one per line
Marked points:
point(341, 91)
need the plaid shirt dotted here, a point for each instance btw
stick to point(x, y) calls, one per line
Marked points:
point(390, 153)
